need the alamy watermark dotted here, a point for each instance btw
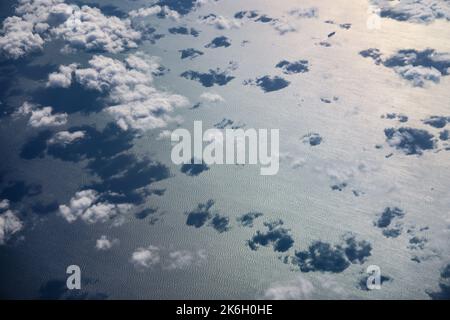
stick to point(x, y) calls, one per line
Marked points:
point(227, 146)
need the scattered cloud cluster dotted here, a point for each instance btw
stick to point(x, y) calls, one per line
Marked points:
point(152, 256)
point(105, 244)
point(416, 11)
point(83, 27)
point(132, 99)
point(88, 206)
point(282, 26)
point(418, 67)
point(219, 22)
point(41, 116)
point(10, 223)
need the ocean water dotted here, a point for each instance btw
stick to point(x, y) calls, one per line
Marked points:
point(321, 193)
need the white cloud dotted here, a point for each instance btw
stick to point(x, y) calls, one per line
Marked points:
point(165, 134)
point(87, 206)
point(9, 222)
point(18, 38)
point(87, 28)
point(417, 11)
point(133, 101)
point(63, 78)
point(104, 244)
point(66, 137)
point(211, 97)
point(38, 21)
point(144, 258)
point(184, 259)
point(40, 117)
point(163, 11)
point(297, 289)
point(220, 22)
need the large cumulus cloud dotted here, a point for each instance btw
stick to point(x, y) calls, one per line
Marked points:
point(128, 86)
point(85, 27)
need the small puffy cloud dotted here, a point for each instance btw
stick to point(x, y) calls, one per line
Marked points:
point(297, 289)
point(211, 97)
point(144, 258)
point(66, 137)
point(418, 67)
point(104, 244)
point(62, 78)
point(87, 206)
point(156, 10)
point(9, 222)
point(389, 222)
point(182, 259)
point(132, 99)
point(42, 116)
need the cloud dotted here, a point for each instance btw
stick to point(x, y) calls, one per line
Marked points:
point(66, 137)
point(132, 99)
point(246, 220)
point(88, 206)
point(219, 22)
point(41, 116)
point(87, 28)
point(298, 289)
point(162, 11)
point(18, 38)
point(182, 259)
point(211, 97)
point(410, 140)
point(144, 258)
point(105, 244)
point(416, 11)
point(10, 223)
point(418, 67)
point(218, 42)
point(228, 123)
point(83, 27)
point(276, 235)
point(63, 78)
